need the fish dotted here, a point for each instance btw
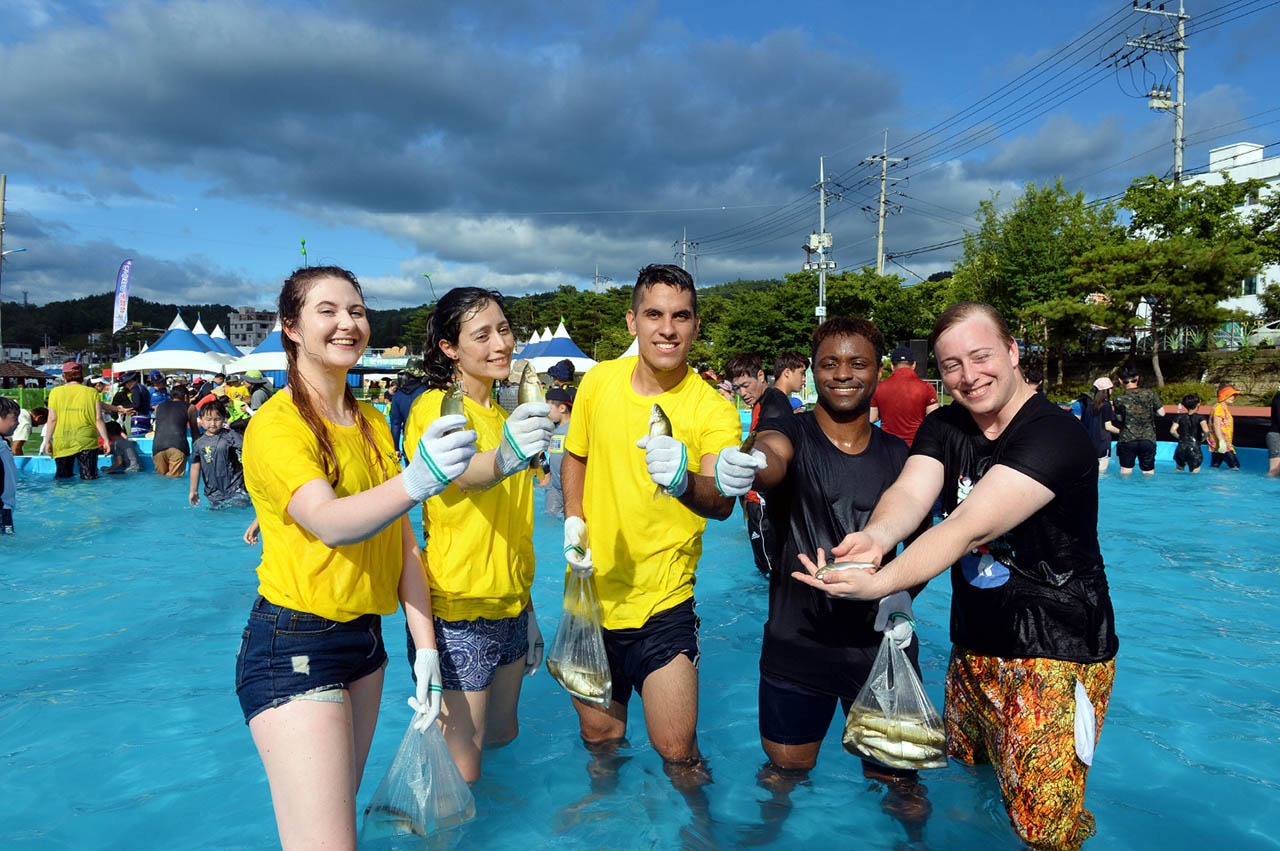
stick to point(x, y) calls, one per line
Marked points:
point(591, 686)
point(907, 729)
point(530, 390)
point(900, 749)
point(659, 425)
point(748, 444)
point(387, 819)
point(452, 402)
point(844, 565)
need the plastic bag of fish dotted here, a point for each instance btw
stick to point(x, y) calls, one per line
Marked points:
point(892, 721)
point(421, 793)
point(577, 659)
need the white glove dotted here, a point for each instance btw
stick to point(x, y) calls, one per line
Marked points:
point(524, 434)
point(736, 470)
point(576, 549)
point(893, 618)
point(533, 658)
point(426, 703)
point(668, 462)
point(440, 458)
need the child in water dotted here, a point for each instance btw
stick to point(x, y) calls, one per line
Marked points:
point(1189, 429)
point(9, 412)
point(123, 451)
point(215, 456)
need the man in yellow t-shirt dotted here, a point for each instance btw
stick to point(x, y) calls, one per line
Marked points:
point(75, 424)
point(644, 548)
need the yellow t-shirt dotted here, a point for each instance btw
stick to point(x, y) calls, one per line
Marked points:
point(298, 571)
point(645, 549)
point(479, 553)
point(77, 414)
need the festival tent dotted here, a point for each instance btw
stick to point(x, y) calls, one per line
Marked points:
point(560, 347)
point(223, 344)
point(178, 323)
point(177, 350)
point(268, 357)
point(523, 347)
point(632, 350)
point(205, 340)
point(535, 345)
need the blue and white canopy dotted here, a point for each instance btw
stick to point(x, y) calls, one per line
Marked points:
point(268, 356)
point(555, 348)
point(223, 344)
point(177, 350)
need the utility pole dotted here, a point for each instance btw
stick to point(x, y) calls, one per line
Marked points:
point(3, 180)
point(885, 161)
point(599, 281)
point(1162, 98)
point(820, 242)
point(683, 248)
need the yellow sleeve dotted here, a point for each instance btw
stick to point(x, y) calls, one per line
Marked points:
point(425, 409)
point(721, 427)
point(576, 440)
point(281, 453)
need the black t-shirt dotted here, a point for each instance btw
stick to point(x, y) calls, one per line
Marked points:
point(1189, 431)
point(172, 423)
point(1095, 424)
point(811, 639)
point(1039, 590)
point(774, 403)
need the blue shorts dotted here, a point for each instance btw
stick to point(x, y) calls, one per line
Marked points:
point(471, 652)
point(286, 654)
point(636, 653)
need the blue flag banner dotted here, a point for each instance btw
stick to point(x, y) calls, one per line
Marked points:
point(121, 317)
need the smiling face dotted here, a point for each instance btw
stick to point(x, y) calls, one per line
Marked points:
point(665, 325)
point(485, 343)
point(332, 327)
point(846, 371)
point(979, 369)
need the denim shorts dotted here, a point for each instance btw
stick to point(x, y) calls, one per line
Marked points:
point(286, 654)
point(471, 652)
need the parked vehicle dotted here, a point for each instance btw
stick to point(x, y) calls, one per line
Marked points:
point(1116, 344)
point(1267, 335)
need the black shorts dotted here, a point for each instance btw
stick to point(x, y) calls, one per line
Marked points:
point(1143, 450)
point(636, 653)
point(86, 461)
point(1188, 455)
point(760, 534)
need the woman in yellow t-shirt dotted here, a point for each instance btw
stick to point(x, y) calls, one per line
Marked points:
point(75, 424)
point(336, 541)
point(479, 550)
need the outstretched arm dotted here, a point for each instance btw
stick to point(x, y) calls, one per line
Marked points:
point(778, 453)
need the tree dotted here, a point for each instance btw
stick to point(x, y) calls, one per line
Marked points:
point(1187, 251)
point(1018, 261)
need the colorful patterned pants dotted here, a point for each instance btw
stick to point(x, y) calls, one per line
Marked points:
point(1019, 715)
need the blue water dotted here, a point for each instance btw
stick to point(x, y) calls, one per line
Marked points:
point(119, 726)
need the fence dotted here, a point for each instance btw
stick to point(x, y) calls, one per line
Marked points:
point(28, 397)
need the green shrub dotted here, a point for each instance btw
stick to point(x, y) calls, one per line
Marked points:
point(1068, 393)
point(1171, 394)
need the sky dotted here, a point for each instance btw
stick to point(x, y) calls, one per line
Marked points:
point(520, 146)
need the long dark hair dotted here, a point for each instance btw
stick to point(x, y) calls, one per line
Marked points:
point(1099, 399)
point(457, 306)
point(292, 297)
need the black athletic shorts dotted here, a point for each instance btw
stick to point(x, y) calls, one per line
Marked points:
point(636, 653)
point(1143, 450)
point(1188, 455)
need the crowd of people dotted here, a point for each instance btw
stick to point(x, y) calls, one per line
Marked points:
point(848, 521)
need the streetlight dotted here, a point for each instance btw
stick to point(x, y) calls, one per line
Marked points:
point(4, 254)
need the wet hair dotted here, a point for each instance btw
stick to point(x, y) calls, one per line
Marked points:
point(1191, 401)
point(8, 407)
point(960, 311)
point(113, 429)
point(42, 413)
point(445, 325)
point(790, 359)
point(849, 326)
point(293, 295)
point(178, 392)
point(663, 273)
point(743, 363)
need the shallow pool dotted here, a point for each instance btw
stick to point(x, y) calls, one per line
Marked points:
point(119, 725)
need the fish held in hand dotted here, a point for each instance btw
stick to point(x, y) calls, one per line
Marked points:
point(530, 390)
point(453, 402)
point(659, 425)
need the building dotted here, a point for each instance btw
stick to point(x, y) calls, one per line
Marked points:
point(16, 354)
point(1244, 161)
point(249, 327)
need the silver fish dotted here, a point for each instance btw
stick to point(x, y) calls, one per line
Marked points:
point(452, 402)
point(530, 390)
point(659, 425)
point(844, 565)
point(585, 685)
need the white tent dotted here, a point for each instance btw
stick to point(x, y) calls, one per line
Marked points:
point(222, 344)
point(558, 347)
point(177, 350)
point(268, 356)
point(632, 350)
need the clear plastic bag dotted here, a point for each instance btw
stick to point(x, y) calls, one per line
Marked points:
point(421, 793)
point(577, 659)
point(892, 721)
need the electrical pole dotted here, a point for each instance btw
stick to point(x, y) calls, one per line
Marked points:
point(885, 160)
point(1162, 98)
point(820, 242)
point(3, 180)
point(599, 281)
point(684, 245)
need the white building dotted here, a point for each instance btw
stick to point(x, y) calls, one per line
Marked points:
point(1244, 161)
point(16, 354)
point(249, 327)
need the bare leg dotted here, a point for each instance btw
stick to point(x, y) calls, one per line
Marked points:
point(462, 718)
point(904, 799)
point(1103, 462)
point(788, 766)
point(671, 716)
point(501, 723)
point(366, 698)
point(1273, 467)
point(308, 749)
point(603, 732)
